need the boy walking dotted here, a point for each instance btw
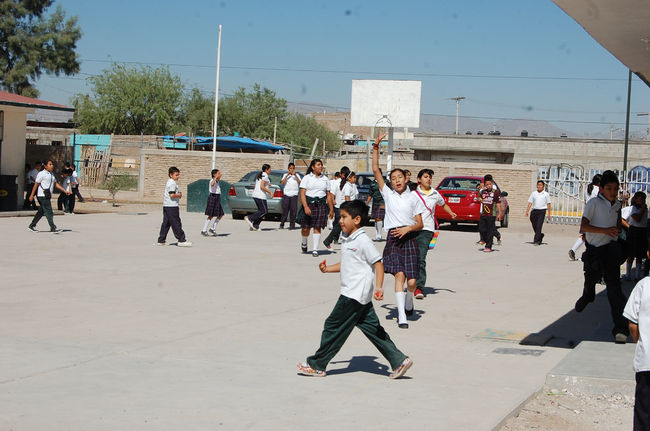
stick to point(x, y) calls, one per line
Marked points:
point(359, 260)
point(171, 212)
point(490, 199)
point(637, 311)
point(540, 201)
point(43, 188)
point(601, 224)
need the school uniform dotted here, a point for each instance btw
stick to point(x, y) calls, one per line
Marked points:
point(30, 178)
point(213, 207)
point(259, 196)
point(401, 254)
point(378, 210)
point(637, 310)
point(602, 257)
point(487, 219)
point(637, 235)
point(354, 192)
point(316, 193)
point(430, 200)
point(539, 206)
point(290, 199)
point(75, 185)
point(45, 180)
point(171, 214)
point(339, 197)
point(354, 306)
point(62, 201)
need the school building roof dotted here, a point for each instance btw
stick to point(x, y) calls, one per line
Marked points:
point(11, 99)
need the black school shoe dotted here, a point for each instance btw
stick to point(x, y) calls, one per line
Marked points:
point(303, 248)
point(403, 325)
point(581, 303)
point(409, 312)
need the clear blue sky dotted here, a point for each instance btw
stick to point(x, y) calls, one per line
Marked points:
point(498, 54)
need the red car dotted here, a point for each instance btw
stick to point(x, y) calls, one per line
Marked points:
point(462, 197)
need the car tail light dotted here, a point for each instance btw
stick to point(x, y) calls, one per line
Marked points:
point(277, 194)
point(232, 192)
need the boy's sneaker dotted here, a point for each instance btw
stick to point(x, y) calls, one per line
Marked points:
point(378, 238)
point(185, 244)
point(56, 230)
point(480, 242)
point(305, 370)
point(161, 243)
point(212, 232)
point(620, 338)
point(32, 228)
point(572, 254)
point(401, 370)
point(314, 253)
point(281, 226)
point(303, 248)
point(418, 294)
point(250, 223)
point(204, 233)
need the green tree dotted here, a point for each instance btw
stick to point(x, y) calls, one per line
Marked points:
point(251, 113)
point(32, 43)
point(129, 101)
point(198, 113)
point(303, 131)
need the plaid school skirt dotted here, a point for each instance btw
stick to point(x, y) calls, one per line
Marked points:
point(213, 208)
point(318, 217)
point(378, 211)
point(401, 255)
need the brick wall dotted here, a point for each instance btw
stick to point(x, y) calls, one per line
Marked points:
point(195, 165)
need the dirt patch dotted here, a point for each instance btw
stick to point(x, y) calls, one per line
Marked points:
point(558, 410)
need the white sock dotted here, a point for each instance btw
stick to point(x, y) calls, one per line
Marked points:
point(304, 240)
point(577, 244)
point(628, 269)
point(399, 299)
point(214, 224)
point(409, 301)
point(378, 226)
point(315, 240)
point(205, 226)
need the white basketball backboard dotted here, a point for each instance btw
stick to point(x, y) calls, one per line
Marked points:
point(385, 103)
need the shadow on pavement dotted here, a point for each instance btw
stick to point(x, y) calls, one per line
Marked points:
point(594, 323)
point(367, 364)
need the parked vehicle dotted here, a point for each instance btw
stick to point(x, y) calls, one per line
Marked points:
point(363, 184)
point(241, 202)
point(461, 194)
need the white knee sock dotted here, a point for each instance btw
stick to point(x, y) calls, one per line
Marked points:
point(409, 300)
point(315, 240)
point(304, 240)
point(577, 244)
point(205, 226)
point(399, 299)
point(378, 226)
point(214, 224)
point(628, 269)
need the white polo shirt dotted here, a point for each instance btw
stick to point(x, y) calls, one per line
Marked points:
point(642, 223)
point(216, 188)
point(258, 193)
point(291, 185)
point(315, 187)
point(45, 181)
point(358, 255)
point(637, 310)
point(31, 176)
point(539, 200)
point(432, 199)
point(172, 187)
point(601, 213)
point(338, 192)
point(400, 208)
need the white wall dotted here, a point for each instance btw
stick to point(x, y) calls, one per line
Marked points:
point(13, 145)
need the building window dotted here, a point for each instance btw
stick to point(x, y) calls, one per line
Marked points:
point(57, 143)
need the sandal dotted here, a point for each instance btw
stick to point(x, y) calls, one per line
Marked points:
point(305, 370)
point(401, 370)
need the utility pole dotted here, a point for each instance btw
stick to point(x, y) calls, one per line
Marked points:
point(457, 99)
point(275, 129)
point(647, 114)
point(627, 119)
point(216, 103)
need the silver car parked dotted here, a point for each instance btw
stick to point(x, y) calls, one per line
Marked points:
point(240, 199)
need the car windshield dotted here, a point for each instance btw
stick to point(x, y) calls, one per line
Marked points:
point(459, 184)
point(364, 180)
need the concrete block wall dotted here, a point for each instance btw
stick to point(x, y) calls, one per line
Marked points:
point(195, 165)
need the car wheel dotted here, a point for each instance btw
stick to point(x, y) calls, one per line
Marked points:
point(504, 221)
point(237, 216)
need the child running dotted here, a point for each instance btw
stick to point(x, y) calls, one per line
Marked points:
point(430, 198)
point(213, 208)
point(171, 212)
point(403, 220)
point(378, 211)
point(360, 264)
point(315, 200)
point(262, 183)
point(339, 193)
point(489, 198)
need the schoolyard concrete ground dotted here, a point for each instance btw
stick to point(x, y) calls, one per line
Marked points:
point(102, 330)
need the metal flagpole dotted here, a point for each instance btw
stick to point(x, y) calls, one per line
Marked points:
point(216, 104)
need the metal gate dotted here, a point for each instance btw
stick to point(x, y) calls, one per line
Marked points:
point(567, 185)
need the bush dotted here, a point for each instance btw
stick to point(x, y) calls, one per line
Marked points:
point(118, 182)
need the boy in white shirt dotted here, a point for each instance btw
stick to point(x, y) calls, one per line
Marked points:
point(359, 260)
point(637, 311)
point(43, 188)
point(540, 201)
point(171, 212)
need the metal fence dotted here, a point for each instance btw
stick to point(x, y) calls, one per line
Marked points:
point(567, 185)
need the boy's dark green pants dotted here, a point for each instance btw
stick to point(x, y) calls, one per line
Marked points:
point(347, 314)
point(423, 239)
